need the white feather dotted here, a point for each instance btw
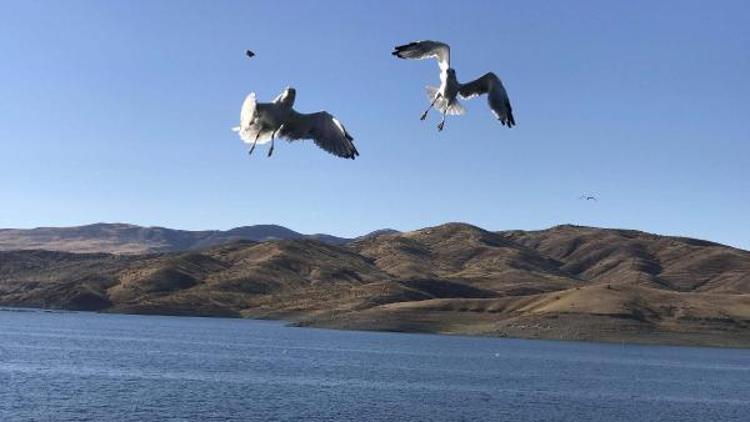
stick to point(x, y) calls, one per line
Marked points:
point(441, 104)
point(249, 129)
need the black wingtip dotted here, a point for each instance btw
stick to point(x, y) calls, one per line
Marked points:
point(249, 53)
point(399, 49)
point(354, 153)
point(405, 46)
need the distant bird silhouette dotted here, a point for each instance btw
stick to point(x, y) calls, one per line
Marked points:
point(249, 53)
point(445, 98)
point(588, 198)
point(264, 122)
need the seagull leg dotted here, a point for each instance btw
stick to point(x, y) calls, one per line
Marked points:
point(273, 138)
point(252, 148)
point(432, 104)
point(441, 125)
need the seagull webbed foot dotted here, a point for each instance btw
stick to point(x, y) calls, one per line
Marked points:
point(440, 126)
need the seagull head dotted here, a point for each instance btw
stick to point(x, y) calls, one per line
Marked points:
point(290, 94)
point(287, 97)
point(450, 74)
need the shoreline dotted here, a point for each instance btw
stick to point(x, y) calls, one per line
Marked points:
point(707, 339)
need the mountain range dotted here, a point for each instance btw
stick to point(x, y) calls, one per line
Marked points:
point(132, 239)
point(566, 282)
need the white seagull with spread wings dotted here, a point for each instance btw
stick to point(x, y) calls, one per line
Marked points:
point(445, 98)
point(261, 123)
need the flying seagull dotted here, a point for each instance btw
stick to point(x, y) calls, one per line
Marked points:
point(445, 98)
point(588, 198)
point(249, 54)
point(261, 123)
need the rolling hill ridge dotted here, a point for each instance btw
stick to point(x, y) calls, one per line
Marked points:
point(566, 282)
point(131, 239)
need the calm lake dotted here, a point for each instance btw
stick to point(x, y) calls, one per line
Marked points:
point(98, 367)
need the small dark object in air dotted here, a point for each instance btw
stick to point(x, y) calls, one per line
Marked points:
point(249, 53)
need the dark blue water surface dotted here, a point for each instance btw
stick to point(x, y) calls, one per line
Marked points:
point(97, 367)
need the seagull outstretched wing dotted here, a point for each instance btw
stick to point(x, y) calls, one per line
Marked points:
point(497, 97)
point(248, 110)
point(246, 128)
point(426, 50)
point(251, 130)
point(327, 132)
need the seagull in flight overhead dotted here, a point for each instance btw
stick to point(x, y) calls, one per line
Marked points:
point(588, 198)
point(261, 123)
point(445, 98)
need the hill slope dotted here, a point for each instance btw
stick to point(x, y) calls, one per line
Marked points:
point(565, 282)
point(629, 256)
point(131, 239)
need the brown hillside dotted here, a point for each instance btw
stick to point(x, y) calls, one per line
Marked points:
point(566, 282)
point(629, 256)
point(463, 252)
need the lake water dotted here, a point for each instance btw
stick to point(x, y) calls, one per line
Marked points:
point(98, 367)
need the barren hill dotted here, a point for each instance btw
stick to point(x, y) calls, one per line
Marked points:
point(566, 282)
point(131, 239)
point(629, 256)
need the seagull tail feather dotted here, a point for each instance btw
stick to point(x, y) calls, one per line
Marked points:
point(453, 109)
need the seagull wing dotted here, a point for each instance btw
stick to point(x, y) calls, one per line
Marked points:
point(248, 110)
point(497, 97)
point(327, 132)
point(250, 130)
point(420, 50)
point(247, 113)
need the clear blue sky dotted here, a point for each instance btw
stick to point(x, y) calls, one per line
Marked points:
point(119, 111)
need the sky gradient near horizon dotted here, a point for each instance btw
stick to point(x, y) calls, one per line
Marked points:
point(120, 112)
